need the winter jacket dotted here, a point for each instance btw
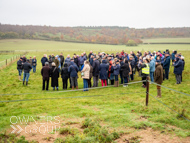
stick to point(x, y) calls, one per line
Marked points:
point(86, 71)
point(57, 63)
point(68, 61)
point(103, 68)
point(19, 64)
point(43, 60)
point(64, 72)
point(95, 66)
point(132, 63)
point(73, 70)
point(82, 59)
point(76, 61)
point(173, 56)
point(178, 66)
point(152, 65)
point(45, 72)
point(61, 58)
point(116, 69)
point(158, 74)
point(27, 67)
point(125, 70)
point(34, 62)
point(54, 73)
point(166, 64)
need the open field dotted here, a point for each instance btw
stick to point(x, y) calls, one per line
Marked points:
point(121, 110)
point(167, 40)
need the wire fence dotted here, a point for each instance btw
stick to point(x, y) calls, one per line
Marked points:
point(8, 61)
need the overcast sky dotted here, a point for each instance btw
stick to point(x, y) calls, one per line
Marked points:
point(131, 13)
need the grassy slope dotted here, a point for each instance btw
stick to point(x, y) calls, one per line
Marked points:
point(119, 107)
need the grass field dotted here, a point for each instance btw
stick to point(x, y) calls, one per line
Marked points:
point(167, 40)
point(118, 110)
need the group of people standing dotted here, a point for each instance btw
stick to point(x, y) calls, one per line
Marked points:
point(24, 64)
point(108, 68)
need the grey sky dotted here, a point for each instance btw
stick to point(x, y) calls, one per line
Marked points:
point(132, 13)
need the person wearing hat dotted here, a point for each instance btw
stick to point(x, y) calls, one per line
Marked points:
point(45, 72)
point(19, 68)
point(54, 74)
point(158, 77)
point(166, 66)
point(26, 67)
point(116, 69)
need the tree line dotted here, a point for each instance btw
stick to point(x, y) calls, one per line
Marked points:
point(100, 34)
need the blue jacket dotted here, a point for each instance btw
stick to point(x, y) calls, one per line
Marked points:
point(103, 68)
point(73, 70)
point(68, 61)
point(173, 56)
point(166, 64)
point(116, 69)
point(162, 59)
point(82, 59)
point(178, 67)
point(152, 65)
point(43, 60)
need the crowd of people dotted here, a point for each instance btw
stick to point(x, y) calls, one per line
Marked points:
point(109, 68)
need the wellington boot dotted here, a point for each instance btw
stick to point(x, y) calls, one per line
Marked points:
point(72, 87)
point(23, 82)
point(27, 83)
point(115, 84)
point(158, 93)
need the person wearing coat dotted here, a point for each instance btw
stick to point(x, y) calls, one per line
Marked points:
point(73, 70)
point(110, 71)
point(166, 66)
point(19, 68)
point(57, 63)
point(116, 69)
point(26, 67)
point(45, 72)
point(132, 63)
point(34, 64)
point(95, 73)
point(125, 71)
point(76, 61)
point(68, 60)
point(103, 68)
point(50, 61)
point(81, 60)
point(61, 59)
point(178, 68)
point(65, 75)
point(86, 75)
point(91, 73)
point(152, 68)
point(54, 74)
point(44, 59)
point(158, 76)
point(145, 70)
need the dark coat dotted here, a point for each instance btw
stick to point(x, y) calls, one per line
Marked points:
point(43, 60)
point(76, 61)
point(61, 58)
point(103, 70)
point(45, 72)
point(132, 63)
point(64, 72)
point(166, 64)
point(19, 64)
point(82, 59)
point(95, 66)
point(125, 70)
point(73, 70)
point(34, 62)
point(91, 71)
point(54, 73)
point(178, 67)
point(27, 67)
point(158, 74)
point(116, 69)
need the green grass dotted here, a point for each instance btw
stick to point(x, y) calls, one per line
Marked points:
point(168, 40)
point(116, 107)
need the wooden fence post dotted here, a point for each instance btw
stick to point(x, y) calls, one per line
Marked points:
point(147, 90)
